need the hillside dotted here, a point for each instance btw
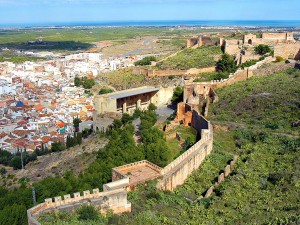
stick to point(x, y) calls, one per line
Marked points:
point(253, 121)
point(204, 56)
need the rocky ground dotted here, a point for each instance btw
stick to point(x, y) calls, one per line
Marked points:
point(75, 159)
point(272, 67)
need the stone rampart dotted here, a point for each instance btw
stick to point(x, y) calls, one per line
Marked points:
point(177, 171)
point(204, 88)
point(114, 199)
point(288, 50)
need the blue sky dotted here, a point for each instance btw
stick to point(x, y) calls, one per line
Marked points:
point(47, 11)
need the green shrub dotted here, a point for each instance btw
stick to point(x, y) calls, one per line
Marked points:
point(88, 213)
point(192, 58)
point(248, 63)
point(279, 59)
point(105, 91)
point(262, 49)
point(145, 61)
point(226, 64)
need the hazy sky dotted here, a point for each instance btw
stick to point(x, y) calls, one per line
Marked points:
point(45, 11)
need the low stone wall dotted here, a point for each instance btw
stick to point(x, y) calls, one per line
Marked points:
point(162, 73)
point(228, 169)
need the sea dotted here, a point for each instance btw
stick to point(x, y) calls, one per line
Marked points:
point(208, 23)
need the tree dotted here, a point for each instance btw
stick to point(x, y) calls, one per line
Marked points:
point(57, 147)
point(262, 49)
point(126, 118)
point(79, 138)
point(117, 123)
point(226, 64)
point(76, 122)
point(88, 83)
point(177, 95)
point(145, 61)
point(152, 107)
point(16, 162)
point(77, 81)
point(14, 214)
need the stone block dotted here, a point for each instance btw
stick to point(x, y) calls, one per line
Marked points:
point(58, 200)
point(227, 170)
point(96, 192)
point(221, 178)
point(67, 199)
point(209, 192)
point(232, 165)
point(235, 158)
point(77, 196)
point(48, 202)
point(86, 194)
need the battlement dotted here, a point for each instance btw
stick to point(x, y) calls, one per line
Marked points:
point(177, 171)
point(114, 199)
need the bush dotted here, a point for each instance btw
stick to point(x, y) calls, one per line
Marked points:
point(248, 63)
point(88, 213)
point(262, 49)
point(145, 61)
point(57, 147)
point(279, 59)
point(226, 64)
point(105, 91)
point(177, 95)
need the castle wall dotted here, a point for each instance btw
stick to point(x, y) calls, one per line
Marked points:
point(289, 50)
point(177, 171)
point(164, 73)
point(203, 88)
point(115, 200)
point(232, 47)
point(274, 36)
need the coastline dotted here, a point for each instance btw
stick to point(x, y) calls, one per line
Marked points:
point(168, 23)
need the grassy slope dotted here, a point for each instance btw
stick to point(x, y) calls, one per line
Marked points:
point(193, 58)
point(269, 103)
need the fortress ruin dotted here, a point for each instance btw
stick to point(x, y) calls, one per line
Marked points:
point(284, 46)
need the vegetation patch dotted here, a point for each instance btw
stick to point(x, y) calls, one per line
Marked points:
point(192, 58)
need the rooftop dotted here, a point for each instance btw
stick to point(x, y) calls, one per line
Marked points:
point(139, 172)
point(132, 92)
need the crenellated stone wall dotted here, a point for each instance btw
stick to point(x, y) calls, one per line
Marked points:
point(114, 199)
point(177, 171)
